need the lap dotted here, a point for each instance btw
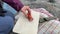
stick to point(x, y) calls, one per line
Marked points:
point(6, 24)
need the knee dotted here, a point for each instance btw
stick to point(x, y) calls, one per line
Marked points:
point(6, 23)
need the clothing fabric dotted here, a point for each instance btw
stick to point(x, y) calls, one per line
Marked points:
point(48, 27)
point(8, 8)
point(16, 4)
point(6, 24)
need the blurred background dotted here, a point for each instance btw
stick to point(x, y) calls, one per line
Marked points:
point(53, 6)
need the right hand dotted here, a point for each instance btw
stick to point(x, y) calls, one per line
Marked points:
point(28, 15)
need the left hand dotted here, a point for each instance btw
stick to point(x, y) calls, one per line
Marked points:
point(29, 12)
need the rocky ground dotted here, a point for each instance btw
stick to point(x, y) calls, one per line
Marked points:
point(53, 7)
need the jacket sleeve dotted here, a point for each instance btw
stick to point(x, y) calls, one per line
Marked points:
point(16, 4)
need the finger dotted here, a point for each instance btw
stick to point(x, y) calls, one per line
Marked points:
point(23, 10)
point(30, 17)
point(29, 11)
point(24, 13)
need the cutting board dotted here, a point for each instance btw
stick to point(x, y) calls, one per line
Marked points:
point(24, 26)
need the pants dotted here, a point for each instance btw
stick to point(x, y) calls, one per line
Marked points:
point(7, 22)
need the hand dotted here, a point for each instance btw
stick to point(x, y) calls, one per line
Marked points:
point(28, 15)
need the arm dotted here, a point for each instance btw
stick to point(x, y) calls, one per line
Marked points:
point(16, 4)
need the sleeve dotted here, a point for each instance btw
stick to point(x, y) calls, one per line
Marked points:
point(16, 4)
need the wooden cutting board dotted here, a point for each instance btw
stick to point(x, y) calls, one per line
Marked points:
point(23, 26)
